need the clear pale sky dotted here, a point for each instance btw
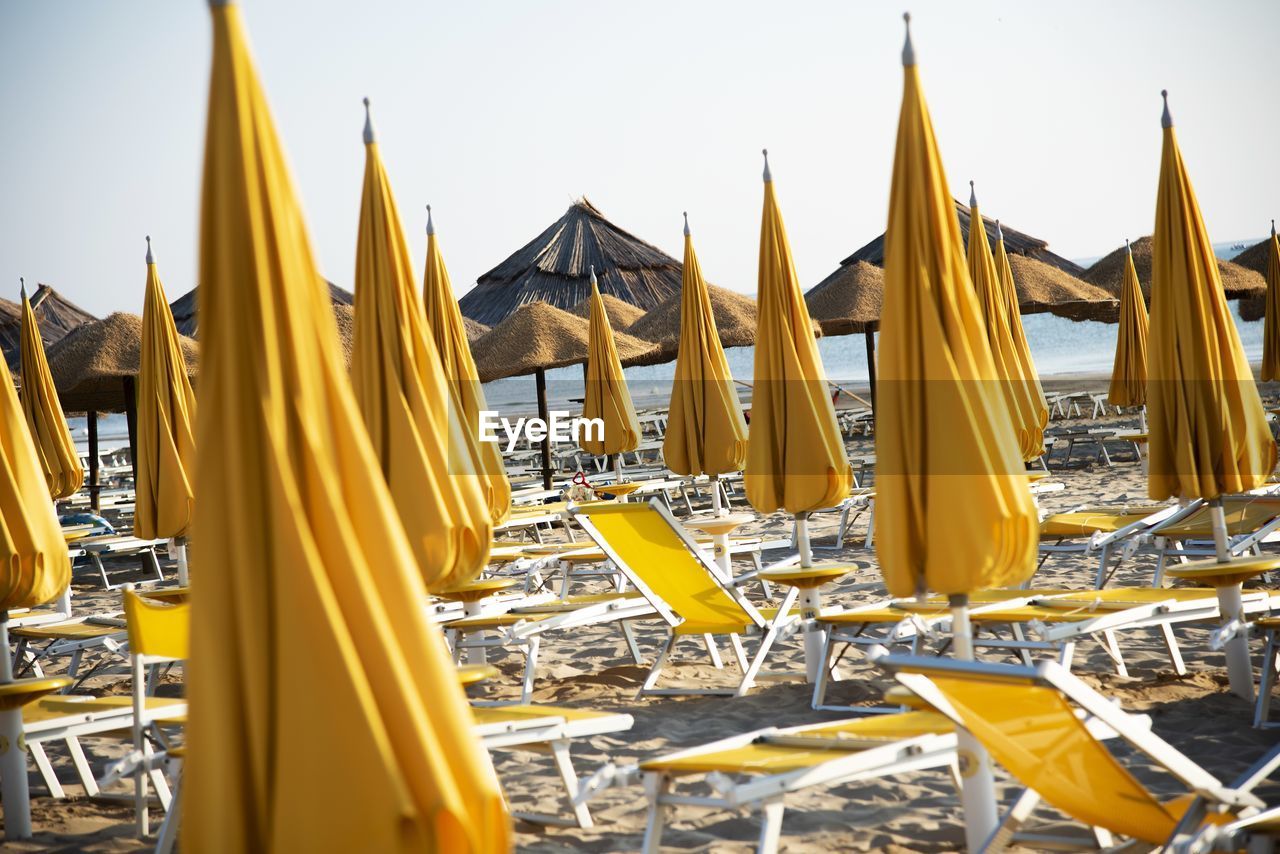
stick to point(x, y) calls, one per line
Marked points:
point(499, 113)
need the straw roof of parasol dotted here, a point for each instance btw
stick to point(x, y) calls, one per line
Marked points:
point(11, 333)
point(539, 335)
point(1043, 287)
point(554, 268)
point(56, 314)
point(1015, 243)
point(1254, 258)
point(184, 308)
point(621, 314)
point(1108, 273)
point(848, 300)
point(89, 363)
point(346, 317)
point(474, 329)
point(735, 315)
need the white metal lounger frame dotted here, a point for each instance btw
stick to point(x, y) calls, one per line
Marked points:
point(553, 734)
point(770, 631)
point(767, 793)
point(1134, 729)
point(1104, 544)
point(1240, 544)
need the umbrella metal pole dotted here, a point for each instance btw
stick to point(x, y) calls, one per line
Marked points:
point(810, 603)
point(95, 503)
point(617, 474)
point(1142, 419)
point(540, 379)
point(13, 753)
point(178, 545)
point(977, 784)
point(717, 506)
point(1231, 606)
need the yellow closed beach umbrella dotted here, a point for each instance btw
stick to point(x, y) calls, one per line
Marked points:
point(607, 397)
point(166, 426)
point(425, 450)
point(1013, 312)
point(706, 433)
point(1019, 396)
point(953, 512)
point(444, 324)
point(795, 454)
point(325, 712)
point(55, 450)
point(1271, 326)
point(1208, 431)
point(1129, 373)
point(34, 569)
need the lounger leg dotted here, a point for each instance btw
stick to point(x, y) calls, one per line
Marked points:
point(1262, 711)
point(1162, 546)
point(168, 833)
point(713, 651)
point(652, 678)
point(1112, 646)
point(1104, 557)
point(560, 753)
point(656, 786)
point(820, 684)
point(842, 526)
point(1012, 821)
point(871, 523)
point(1171, 644)
point(1067, 654)
point(530, 668)
point(1020, 635)
point(739, 652)
point(155, 563)
point(771, 826)
point(83, 769)
point(46, 770)
point(629, 633)
point(102, 570)
point(749, 678)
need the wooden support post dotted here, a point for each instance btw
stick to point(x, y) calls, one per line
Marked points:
point(541, 379)
point(95, 483)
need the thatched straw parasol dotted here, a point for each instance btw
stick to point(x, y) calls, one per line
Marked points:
point(621, 314)
point(345, 315)
point(475, 330)
point(57, 315)
point(538, 337)
point(735, 316)
point(1015, 243)
point(1043, 287)
point(93, 365)
point(1108, 273)
point(553, 267)
point(848, 300)
point(1254, 258)
point(184, 308)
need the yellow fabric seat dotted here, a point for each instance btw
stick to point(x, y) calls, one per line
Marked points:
point(63, 705)
point(66, 631)
point(1086, 523)
point(505, 714)
point(1244, 514)
point(843, 736)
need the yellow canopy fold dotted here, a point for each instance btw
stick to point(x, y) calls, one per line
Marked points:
point(166, 421)
point(425, 449)
point(607, 395)
point(56, 452)
point(325, 713)
point(1271, 326)
point(706, 433)
point(1026, 365)
point(34, 568)
point(1013, 387)
point(1129, 373)
point(953, 512)
point(444, 324)
point(1208, 431)
point(795, 453)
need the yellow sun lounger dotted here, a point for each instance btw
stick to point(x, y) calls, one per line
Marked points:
point(1026, 718)
point(1105, 530)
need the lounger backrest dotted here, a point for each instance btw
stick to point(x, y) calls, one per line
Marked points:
point(1244, 514)
point(1033, 732)
point(662, 564)
point(156, 629)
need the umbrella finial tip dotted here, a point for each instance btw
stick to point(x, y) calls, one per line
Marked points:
point(1273, 228)
point(999, 232)
point(768, 176)
point(686, 223)
point(908, 49)
point(973, 195)
point(431, 226)
point(150, 259)
point(22, 286)
point(1166, 120)
point(369, 136)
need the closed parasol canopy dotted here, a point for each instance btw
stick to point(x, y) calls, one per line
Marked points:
point(425, 449)
point(1026, 364)
point(1129, 371)
point(553, 268)
point(166, 422)
point(445, 326)
point(1271, 329)
point(59, 459)
point(706, 433)
point(1108, 273)
point(607, 397)
point(311, 626)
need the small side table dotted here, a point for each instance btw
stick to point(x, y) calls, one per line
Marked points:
point(808, 581)
point(472, 596)
point(720, 527)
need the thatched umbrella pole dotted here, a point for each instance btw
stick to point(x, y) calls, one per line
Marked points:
point(131, 418)
point(91, 419)
point(871, 365)
point(540, 378)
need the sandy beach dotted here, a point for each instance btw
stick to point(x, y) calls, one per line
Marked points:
point(913, 812)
